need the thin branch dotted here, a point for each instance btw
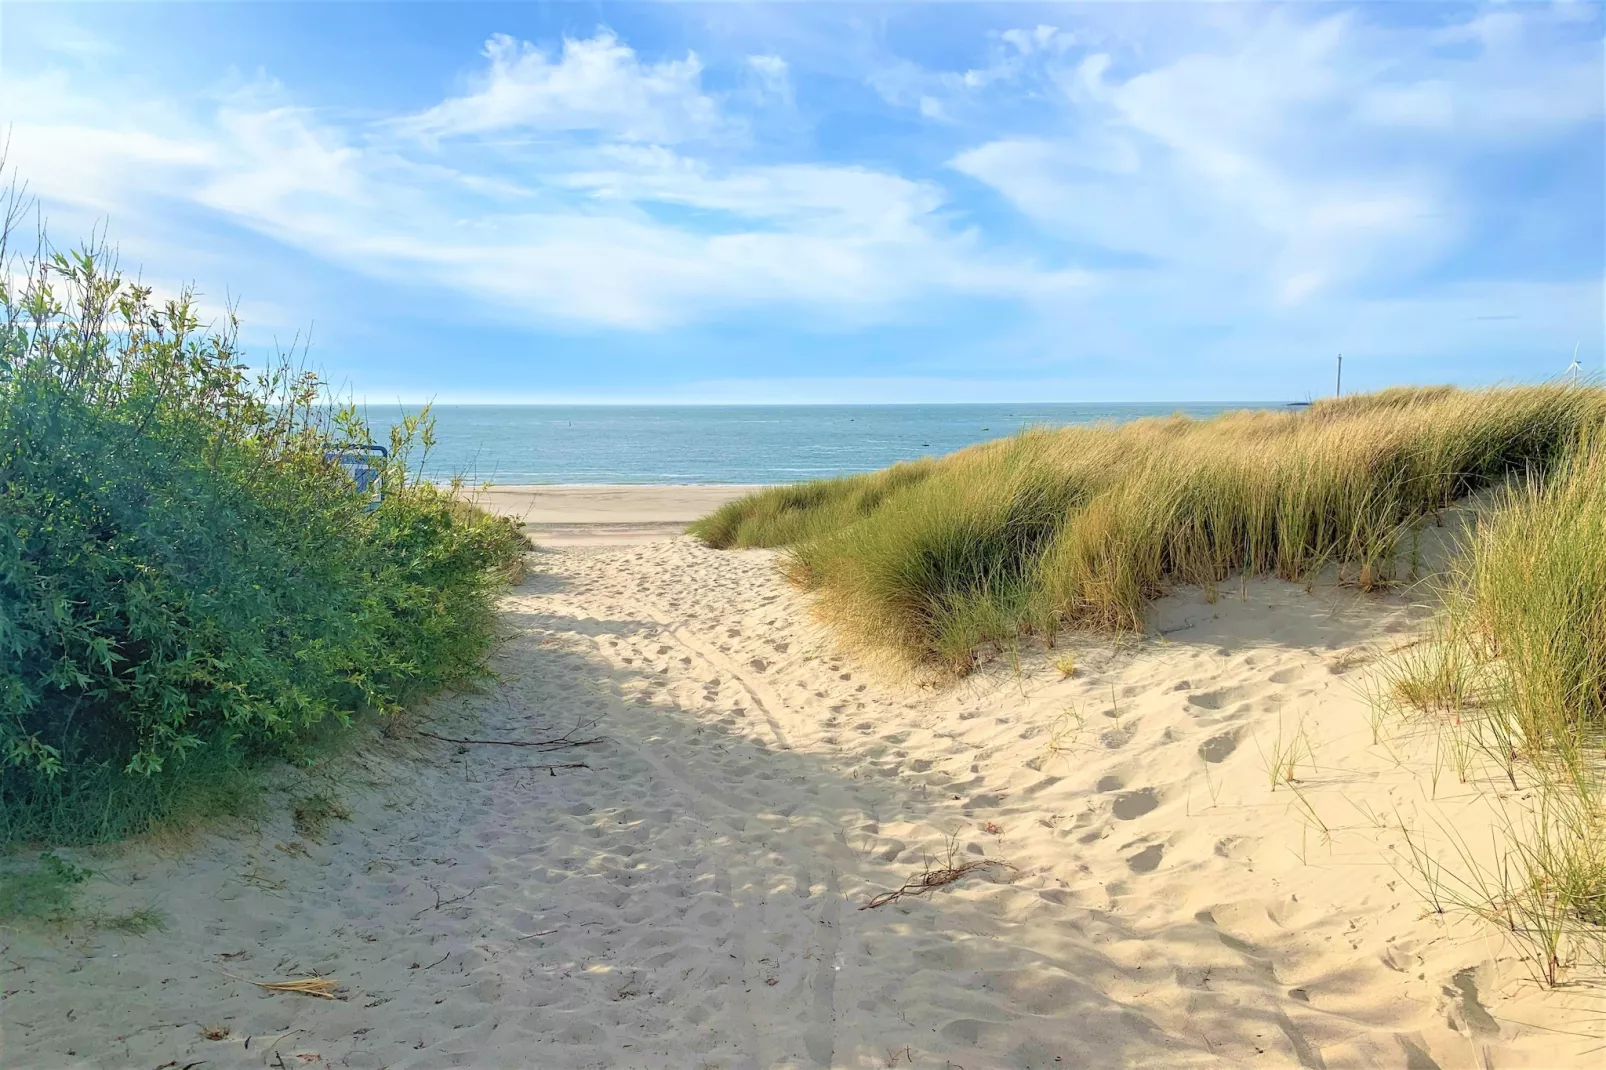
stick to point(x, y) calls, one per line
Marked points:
point(935, 876)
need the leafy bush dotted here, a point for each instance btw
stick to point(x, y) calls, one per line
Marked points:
point(187, 585)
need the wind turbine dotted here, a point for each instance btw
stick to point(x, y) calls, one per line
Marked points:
point(1573, 367)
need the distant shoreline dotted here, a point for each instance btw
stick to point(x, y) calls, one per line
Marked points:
point(537, 487)
point(572, 514)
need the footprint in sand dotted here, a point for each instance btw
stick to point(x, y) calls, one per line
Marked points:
point(1217, 748)
point(1146, 860)
point(1116, 738)
point(1134, 804)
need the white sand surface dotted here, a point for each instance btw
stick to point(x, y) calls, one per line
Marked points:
point(691, 896)
point(616, 514)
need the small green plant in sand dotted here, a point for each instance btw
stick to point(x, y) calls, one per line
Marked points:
point(48, 890)
point(1064, 733)
point(1431, 676)
point(137, 922)
point(1288, 750)
point(44, 888)
point(313, 813)
point(1065, 665)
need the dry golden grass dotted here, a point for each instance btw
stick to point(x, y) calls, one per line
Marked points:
point(317, 987)
point(1083, 526)
point(1517, 671)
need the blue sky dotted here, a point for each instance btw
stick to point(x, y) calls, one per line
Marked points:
point(841, 203)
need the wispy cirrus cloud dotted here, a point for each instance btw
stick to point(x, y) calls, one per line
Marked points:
point(596, 83)
point(583, 235)
point(1290, 157)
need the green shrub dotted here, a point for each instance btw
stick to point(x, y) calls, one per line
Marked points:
point(187, 586)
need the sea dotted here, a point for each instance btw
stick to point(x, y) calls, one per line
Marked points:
point(732, 444)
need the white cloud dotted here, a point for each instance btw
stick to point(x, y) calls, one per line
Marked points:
point(1040, 38)
point(584, 234)
point(1530, 73)
point(596, 83)
point(899, 82)
point(1252, 168)
point(938, 95)
point(844, 201)
point(772, 75)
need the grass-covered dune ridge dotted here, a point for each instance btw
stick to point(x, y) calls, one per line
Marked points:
point(186, 584)
point(1082, 526)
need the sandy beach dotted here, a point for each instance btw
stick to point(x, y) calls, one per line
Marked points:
point(690, 889)
point(571, 515)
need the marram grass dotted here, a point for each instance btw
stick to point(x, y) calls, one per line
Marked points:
point(1517, 669)
point(1083, 526)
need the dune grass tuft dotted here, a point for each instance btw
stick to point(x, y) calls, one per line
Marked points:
point(776, 516)
point(1083, 526)
point(1519, 658)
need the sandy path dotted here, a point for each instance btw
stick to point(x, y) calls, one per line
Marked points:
point(691, 898)
point(613, 515)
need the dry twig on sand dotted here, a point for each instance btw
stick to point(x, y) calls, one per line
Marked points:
point(439, 902)
point(934, 877)
point(319, 987)
point(543, 932)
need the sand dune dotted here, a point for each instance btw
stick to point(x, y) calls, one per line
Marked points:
point(691, 896)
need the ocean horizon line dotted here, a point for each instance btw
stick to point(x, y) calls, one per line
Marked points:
point(414, 404)
point(734, 445)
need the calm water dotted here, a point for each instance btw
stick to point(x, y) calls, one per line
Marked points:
point(724, 444)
